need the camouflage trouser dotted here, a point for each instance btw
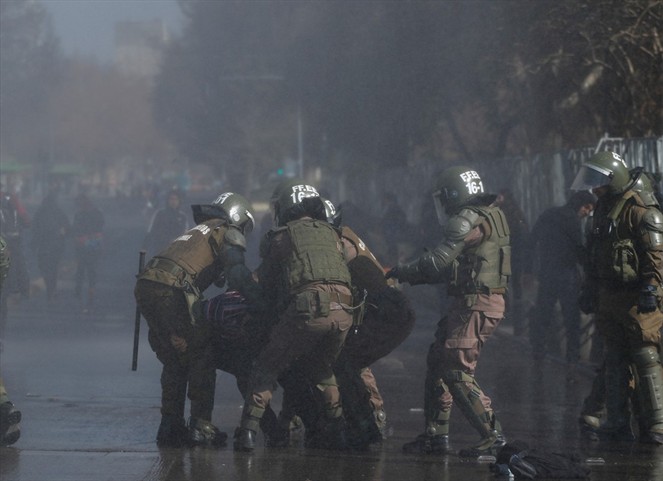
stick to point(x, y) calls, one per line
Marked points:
point(310, 336)
point(166, 312)
point(452, 361)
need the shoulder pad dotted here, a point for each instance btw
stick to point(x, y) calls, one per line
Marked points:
point(651, 228)
point(653, 219)
point(461, 224)
point(234, 236)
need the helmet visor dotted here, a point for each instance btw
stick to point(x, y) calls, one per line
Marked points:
point(439, 198)
point(590, 177)
point(205, 212)
point(248, 225)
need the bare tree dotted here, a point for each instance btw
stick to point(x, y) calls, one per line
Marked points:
point(579, 69)
point(378, 83)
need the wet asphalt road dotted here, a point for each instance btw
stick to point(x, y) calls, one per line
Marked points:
point(88, 417)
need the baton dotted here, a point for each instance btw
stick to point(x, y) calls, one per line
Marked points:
point(134, 359)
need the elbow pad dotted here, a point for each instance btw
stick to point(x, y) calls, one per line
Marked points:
point(651, 229)
point(456, 230)
point(460, 225)
point(434, 263)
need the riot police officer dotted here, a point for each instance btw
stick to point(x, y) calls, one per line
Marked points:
point(474, 259)
point(385, 321)
point(307, 284)
point(624, 290)
point(166, 291)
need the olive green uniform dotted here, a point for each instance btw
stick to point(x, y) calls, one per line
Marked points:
point(166, 290)
point(387, 321)
point(626, 253)
point(474, 258)
point(306, 278)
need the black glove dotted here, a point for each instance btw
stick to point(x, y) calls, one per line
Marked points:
point(647, 302)
point(394, 272)
point(587, 300)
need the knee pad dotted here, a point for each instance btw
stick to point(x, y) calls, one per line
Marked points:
point(649, 382)
point(467, 396)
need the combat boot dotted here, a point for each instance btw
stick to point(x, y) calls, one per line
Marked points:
point(277, 438)
point(589, 425)
point(204, 433)
point(331, 435)
point(428, 444)
point(363, 434)
point(616, 432)
point(9, 427)
point(244, 440)
point(488, 446)
point(276, 430)
point(651, 437)
point(172, 432)
point(651, 434)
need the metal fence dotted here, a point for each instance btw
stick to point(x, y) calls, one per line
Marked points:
point(537, 182)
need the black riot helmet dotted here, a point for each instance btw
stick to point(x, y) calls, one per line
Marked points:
point(332, 214)
point(294, 199)
point(283, 186)
point(456, 187)
point(234, 208)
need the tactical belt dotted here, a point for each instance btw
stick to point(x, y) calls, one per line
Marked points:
point(335, 297)
point(489, 290)
point(184, 279)
point(341, 298)
point(338, 301)
point(457, 291)
point(171, 267)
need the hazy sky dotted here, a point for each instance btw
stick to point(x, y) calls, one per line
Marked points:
point(85, 27)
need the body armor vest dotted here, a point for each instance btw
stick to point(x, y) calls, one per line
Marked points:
point(195, 253)
point(315, 257)
point(612, 253)
point(484, 268)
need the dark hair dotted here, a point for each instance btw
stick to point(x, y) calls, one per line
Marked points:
point(580, 198)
